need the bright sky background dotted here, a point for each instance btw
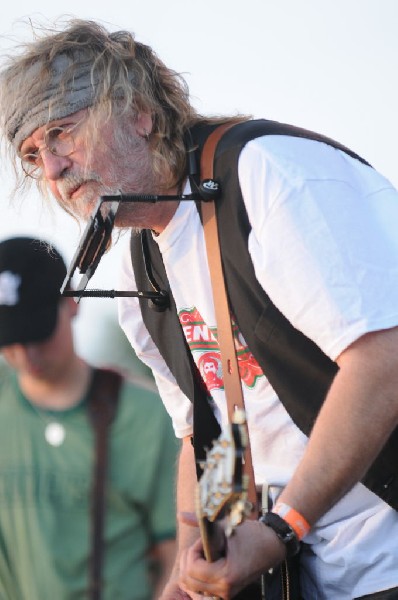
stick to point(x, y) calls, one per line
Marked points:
point(328, 65)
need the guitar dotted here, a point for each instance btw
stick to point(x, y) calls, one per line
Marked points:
point(221, 493)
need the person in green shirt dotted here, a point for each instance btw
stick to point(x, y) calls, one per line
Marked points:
point(47, 453)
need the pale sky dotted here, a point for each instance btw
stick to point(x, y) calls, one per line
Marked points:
point(327, 65)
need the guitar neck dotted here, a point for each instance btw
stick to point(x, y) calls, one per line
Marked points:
point(221, 495)
point(213, 539)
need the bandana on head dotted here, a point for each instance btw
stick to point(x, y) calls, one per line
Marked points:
point(55, 101)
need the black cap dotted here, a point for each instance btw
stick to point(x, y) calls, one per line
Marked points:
point(31, 274)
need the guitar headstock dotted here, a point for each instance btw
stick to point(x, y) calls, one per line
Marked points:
point(222, 488)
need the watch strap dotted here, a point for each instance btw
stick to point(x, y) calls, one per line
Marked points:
point(284, 532)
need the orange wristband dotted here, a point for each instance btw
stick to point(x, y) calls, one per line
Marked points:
point(296, 521)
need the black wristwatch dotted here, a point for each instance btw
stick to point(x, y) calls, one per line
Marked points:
point(284, 532)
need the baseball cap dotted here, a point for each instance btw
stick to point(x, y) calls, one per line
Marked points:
point(31, 275)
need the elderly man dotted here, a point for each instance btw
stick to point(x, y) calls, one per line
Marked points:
point(309, 249)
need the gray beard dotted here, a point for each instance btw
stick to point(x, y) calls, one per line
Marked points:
point(133, 175)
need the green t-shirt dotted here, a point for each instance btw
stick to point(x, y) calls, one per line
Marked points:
point(44, 497)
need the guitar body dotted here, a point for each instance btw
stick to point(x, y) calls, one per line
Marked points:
point(251, 592)
point(282, 584)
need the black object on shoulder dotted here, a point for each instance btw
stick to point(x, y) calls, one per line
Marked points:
point(284, 532)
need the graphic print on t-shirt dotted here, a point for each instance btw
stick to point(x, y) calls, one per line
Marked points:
point(202, 341)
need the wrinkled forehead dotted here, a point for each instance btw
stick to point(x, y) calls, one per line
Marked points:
point(67, 88)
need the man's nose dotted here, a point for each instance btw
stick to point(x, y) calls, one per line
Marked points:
point(53, 165)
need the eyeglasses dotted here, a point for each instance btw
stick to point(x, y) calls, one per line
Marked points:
point(57, 140)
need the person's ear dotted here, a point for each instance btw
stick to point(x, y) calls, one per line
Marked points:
point(144, 124)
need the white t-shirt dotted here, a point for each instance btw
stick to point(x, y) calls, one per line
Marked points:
point(316, 216)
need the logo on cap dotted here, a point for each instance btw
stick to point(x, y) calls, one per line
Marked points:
point(9, 284)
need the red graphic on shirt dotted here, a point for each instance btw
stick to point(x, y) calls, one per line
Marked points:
point(202, 340)
point(198, 335)
point(209, 364)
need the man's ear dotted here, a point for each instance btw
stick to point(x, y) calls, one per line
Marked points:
point(144, 124)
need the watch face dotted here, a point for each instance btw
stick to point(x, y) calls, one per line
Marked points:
point(289, 535)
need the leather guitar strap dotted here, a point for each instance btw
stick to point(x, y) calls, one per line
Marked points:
point(102, 406)
point(230, 368)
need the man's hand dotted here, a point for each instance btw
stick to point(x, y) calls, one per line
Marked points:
point(251, 550)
